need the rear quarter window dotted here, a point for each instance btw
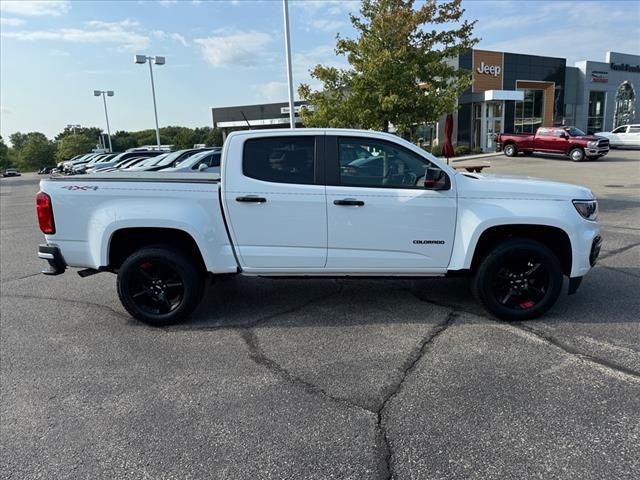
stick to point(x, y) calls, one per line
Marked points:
point(280, 159)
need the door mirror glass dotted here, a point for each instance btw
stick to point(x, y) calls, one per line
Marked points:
point(202, 167)
point(435, 179)
point(564, 135)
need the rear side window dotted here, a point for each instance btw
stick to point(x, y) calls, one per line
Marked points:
point(280, 159)
point(634, 129)
point(544, 132)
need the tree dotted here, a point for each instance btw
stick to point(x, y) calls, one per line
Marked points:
point(17, 140)
point(5, 161)
point(400, 70)
point(122, 141)
point(35, 152)
point(71, 145)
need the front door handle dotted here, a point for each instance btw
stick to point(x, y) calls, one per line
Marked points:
point(251, 199)
point(349, 202)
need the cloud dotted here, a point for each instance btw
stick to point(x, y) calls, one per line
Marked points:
point(333, 7)
point(235, 48)
point(327, 25)
point(11, 22)
point(573, 40)
point(34, 8)
point(273, 91)
point(179, 38)
point(124, 34)
point(59, 53)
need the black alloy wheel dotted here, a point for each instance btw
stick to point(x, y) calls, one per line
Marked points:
point(159, 286)
point(521, 279)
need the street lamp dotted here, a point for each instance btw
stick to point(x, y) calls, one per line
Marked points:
point(73, 127)
point(108, 93)
point(287, 47)
point(158, 61)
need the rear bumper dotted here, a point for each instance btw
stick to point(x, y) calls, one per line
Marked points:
point(52, 255)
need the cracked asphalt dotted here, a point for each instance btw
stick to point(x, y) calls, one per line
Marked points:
point(318, 379)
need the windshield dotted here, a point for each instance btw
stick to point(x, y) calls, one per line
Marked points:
point(172, 157)
point(192, 159)
point(152, 160)
point(574, 132)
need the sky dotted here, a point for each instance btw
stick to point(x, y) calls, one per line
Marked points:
point(53, 54)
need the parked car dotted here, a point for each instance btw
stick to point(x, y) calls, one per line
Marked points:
point(11, 172)
point(171, 160)
point(95, 161)
point(123, 164)
point(624, 136)
point(46, 170)
point(147, 162)
point(67, 167)
point(569, 141)
point(284, 207)
point(124, 156)
point(208, 161)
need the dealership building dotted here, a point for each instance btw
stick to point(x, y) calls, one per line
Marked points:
point(510, 93)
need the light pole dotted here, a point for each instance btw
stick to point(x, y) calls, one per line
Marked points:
point(158, 61)
point(287, 47)
point(108, 93)
point(73, 127)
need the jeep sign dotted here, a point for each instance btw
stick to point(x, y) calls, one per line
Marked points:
point(494, 70)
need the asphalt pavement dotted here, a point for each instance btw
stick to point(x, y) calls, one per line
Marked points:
point(317, 379)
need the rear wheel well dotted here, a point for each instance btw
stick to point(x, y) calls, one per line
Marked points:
point(555, 239)
point(128, 240)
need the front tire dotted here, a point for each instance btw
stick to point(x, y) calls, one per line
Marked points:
point(521, 279)
point(158, 286)
point(510, 150)
point(576, 154)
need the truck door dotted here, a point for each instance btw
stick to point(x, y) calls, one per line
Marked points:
point(380, 216)
point(275, 201)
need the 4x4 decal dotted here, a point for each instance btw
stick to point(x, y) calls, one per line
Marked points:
point(84, 188)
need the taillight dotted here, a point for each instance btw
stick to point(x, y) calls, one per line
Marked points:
point(45, 213)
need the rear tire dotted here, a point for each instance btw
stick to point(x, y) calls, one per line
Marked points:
point(510, 150)
point(158, 286)
point(521, 279)
point(576, 154)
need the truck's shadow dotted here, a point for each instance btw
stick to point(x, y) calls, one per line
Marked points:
point(606, 296)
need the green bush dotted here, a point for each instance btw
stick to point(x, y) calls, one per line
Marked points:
point(436, 150)
point(462, 150)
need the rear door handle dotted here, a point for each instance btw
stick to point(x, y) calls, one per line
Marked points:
point(349, 202)
point(251, 199)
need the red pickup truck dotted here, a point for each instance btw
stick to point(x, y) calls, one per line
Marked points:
point(570, 141)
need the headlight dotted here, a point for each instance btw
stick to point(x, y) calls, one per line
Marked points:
point(587, 208)
point(592, 144)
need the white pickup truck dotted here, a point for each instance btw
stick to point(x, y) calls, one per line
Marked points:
point(319, 203)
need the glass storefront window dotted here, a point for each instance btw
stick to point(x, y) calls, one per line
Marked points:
point(625, 109)
point(529, 112)
point(477, 125)
point(595, 119)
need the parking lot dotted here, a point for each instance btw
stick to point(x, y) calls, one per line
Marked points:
point(321, 379)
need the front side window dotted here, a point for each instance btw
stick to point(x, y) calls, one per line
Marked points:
point(280, 159)
point(620, 130)
point(374, 163)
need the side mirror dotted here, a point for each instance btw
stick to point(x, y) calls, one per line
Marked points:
point(202, 167)
point(564, 135)
point(435, 179)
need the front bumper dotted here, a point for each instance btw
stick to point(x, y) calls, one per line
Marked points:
point(52, 254)
point(596, 151)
